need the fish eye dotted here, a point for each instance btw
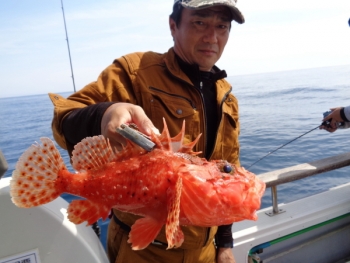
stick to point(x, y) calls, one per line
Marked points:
point(227, 168)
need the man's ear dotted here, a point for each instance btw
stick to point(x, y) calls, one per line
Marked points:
point(172, 26)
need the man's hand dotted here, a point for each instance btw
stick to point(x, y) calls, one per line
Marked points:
point(335, 117)
point(120, 113)
point(225, 255)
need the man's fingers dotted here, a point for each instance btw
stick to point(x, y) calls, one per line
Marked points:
point(124, 113)
point(329, 129)
point(116, 145)
point(144, 124)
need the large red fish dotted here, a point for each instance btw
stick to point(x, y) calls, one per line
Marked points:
point(169, 185)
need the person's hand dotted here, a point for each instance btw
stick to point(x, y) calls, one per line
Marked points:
point(225, 255)
point(334, 117)
point(121, 113)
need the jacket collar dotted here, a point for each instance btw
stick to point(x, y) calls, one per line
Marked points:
point(193, 72)
point(188, 72)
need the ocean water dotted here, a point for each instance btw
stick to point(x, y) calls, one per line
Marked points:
point(275, 108)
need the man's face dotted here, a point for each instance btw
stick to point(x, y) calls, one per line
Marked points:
point(201, 35)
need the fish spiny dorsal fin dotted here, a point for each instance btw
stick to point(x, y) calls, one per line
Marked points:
point(129, 151)
point(91, 153)
point(173, 232)
point(176, 142)
point(163, 141)
point(187, 148)
point(33, 179)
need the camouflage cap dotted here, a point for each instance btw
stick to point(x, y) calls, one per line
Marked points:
point(201, 4)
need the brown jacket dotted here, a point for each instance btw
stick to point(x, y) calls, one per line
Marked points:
point(156, 83)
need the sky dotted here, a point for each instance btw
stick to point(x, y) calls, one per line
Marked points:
point(278, 35)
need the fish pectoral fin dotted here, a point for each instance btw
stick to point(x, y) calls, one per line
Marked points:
point(174, 234)
point(143, 232)
point(86, 210)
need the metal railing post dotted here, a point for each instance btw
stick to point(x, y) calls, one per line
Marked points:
point(275, 209)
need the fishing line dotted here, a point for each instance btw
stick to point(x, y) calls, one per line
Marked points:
point(284, 145)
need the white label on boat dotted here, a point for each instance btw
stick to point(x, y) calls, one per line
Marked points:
point(31, 256)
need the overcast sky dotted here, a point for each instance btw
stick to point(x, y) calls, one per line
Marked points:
point(278, 35)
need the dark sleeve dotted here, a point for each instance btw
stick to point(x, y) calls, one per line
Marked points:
point(223, 237)
point(84, 122)
point(343, 115)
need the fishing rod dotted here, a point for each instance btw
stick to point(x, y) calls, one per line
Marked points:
point(70, 59)
point(284, 145)
point(325, 123)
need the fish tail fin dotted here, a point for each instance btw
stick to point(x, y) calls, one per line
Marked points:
point(33, 180)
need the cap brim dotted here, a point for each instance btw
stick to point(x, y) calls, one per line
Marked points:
point(236, 14)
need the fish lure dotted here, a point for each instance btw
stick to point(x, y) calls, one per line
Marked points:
point(168, 186)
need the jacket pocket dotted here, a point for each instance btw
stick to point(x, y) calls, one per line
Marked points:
point(172, 107)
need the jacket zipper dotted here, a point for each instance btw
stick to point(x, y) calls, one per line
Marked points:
point(222, 102)
point(204, 115)
point(176, 96)
point(205, 139)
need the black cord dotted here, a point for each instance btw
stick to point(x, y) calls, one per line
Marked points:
point(284, 145)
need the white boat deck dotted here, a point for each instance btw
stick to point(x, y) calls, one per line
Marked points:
point(298, 215)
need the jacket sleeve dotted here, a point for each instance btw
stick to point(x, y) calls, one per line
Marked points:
point(346, 112)
point(84, 122)
point(223, 237)
point(113, 85)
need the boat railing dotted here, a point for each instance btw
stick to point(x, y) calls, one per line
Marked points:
point(300, 171)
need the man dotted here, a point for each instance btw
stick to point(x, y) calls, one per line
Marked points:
point(143, 88)
point(338, 118)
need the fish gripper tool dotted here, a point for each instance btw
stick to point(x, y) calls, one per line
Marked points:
point(136, 136)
